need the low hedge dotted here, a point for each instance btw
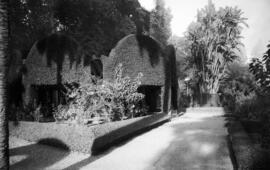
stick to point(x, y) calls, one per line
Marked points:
point(82, 138)
point(247, 155)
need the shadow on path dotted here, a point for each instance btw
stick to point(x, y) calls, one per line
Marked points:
point(35, 156)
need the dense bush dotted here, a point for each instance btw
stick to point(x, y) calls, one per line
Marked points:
point(260, 68)
point(245, 96)
point(246, 90)
point(96, 101)
point(238, 90)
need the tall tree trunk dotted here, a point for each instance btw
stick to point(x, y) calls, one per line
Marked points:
point(4, 157)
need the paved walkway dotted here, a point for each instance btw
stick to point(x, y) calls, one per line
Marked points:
point(195, 141)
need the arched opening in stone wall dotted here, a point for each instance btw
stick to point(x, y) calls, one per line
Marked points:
point(47, 98)
point(152, 97)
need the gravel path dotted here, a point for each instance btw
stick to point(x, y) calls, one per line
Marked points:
point(197, 140)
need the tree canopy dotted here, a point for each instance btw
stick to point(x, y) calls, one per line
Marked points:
point(160, 19)
point(96, 25)
point(213, 41)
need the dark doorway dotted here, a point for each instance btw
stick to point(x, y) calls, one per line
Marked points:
point(152, 97)
point(96, 68)
point(48, 97)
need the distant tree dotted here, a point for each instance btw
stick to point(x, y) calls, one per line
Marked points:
point(182, 54)
point(213, 41)
point(4, 158)
point(238, 78)
point(160, 19)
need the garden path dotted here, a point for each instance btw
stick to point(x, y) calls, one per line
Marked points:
point(194, 141)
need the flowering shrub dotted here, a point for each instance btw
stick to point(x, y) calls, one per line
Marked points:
point(97, 101)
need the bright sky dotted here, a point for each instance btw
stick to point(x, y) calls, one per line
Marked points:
point(256, 37)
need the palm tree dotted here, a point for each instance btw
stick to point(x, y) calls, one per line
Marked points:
point(214, 41)
point(225, 42)
point(4, 159)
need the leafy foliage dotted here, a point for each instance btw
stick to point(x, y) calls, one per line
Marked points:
point(246, 89)
point(103, 101)
point(160, 19)
point(261, 70)
point(213, 41)
point(181, 45)
point(238, 90)
point(94, 24)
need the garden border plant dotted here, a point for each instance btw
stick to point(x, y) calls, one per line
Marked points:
point(96, 101)
point(246, 93)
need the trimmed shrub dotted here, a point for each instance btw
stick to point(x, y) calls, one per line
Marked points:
point(86, 139)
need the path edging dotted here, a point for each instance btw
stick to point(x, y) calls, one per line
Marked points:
point(246, 155)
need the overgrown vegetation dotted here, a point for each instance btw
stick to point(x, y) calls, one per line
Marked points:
point(246, 96)
point(160, 19)
point(209, 46)
point(260, 68)
point(238, 90)
point(95, 25)
point(96, 101)
point(210, 60)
